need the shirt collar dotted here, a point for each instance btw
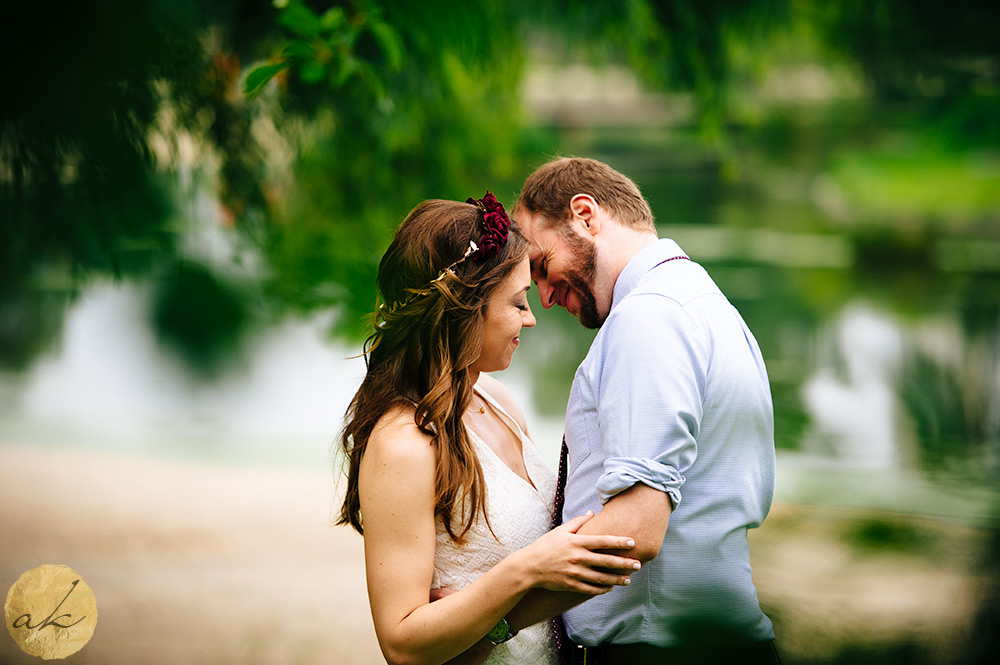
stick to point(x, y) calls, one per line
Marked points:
point(648, 258)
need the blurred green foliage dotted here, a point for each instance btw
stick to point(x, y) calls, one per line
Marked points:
point(322, 48)
point(197, 315)
point(316, 125)
point(886, 534)
point(380, 132)
point(81, 193)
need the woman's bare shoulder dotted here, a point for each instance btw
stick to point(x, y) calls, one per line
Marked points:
point(396, 481)
point(396, 438)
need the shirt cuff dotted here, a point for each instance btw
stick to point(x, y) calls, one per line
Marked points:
point(620, 473)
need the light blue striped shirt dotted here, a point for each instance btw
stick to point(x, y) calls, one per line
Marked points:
point(673, 394)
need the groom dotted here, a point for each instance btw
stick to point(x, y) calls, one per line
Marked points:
point(669, 427)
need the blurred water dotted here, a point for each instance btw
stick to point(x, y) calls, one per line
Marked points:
point(855, 416)
point(871, 410)
point(110, 384)
point(882, 348)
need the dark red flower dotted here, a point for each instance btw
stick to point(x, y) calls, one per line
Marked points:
point(496, 225)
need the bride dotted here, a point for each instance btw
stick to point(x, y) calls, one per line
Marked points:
point(443, 481)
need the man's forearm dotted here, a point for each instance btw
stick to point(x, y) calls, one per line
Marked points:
point(640, 512)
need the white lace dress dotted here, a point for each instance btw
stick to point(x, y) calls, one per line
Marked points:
point(519, 514)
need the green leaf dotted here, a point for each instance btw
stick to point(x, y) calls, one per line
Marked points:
point(388, 39)
point(348, 67)
point(259, 77)
point(298, 50)
point(333, 18)
point(374, 81)
point(312, 72)
point(301, 20)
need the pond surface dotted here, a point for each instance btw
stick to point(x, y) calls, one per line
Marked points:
point(881, 343)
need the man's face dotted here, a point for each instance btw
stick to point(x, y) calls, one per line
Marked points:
point(564, 266)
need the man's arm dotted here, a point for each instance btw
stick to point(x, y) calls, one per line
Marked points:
point(641, 512)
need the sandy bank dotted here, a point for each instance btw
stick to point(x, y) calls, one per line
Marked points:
point(190, 564)
point(209, 565)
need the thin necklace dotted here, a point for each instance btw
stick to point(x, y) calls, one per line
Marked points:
point(482, 409)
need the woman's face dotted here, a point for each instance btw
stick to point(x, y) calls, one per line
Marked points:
point(507, 311)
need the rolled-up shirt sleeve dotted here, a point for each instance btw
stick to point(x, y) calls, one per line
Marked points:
point(652, 386)
point(620, 473)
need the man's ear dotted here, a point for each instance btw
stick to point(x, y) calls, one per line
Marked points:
point(585, 209)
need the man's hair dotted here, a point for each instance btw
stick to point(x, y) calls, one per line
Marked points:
point(550, 188)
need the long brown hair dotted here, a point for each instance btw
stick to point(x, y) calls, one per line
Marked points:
point(427, 332)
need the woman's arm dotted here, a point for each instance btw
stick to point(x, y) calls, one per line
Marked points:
point(640, 510)
point(397, 505)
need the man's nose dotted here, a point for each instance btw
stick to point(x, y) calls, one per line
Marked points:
point(546, 293)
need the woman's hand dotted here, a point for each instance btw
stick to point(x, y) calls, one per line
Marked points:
point(563, 560)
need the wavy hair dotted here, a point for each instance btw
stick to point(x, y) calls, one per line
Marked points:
point(427, 333)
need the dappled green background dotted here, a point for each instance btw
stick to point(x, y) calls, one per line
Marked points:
point(835, 166)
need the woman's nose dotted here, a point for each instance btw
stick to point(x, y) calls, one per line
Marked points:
point(528, 320)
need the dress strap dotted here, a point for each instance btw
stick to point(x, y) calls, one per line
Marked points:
point(507, 418)
point(529, 455)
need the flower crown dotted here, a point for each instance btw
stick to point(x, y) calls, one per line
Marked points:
point(496, 223)
point(496, 226)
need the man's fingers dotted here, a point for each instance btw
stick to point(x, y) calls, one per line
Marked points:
point(607, 542)
point(578, 521)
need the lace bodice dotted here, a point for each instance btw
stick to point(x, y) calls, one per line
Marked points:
point(519, 513)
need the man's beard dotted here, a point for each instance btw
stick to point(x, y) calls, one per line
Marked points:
point(581, 278)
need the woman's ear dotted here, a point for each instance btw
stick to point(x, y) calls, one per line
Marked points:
point(584, 209)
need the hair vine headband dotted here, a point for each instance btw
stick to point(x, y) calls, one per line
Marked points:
point(496, 226)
